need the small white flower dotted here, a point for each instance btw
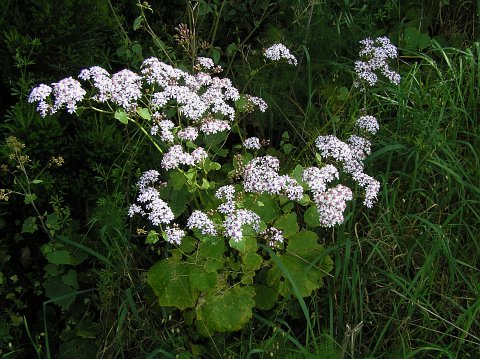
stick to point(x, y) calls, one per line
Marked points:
point(188, 134)
point(67, 92)
point(368, 123)
point(234, 222)
point(375, 55)
point(252, 143)
point(200, 220)
point(174, 235)
point(331, 205)
point(279, 51)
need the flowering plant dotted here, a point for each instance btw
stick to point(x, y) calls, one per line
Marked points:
point(240, 232)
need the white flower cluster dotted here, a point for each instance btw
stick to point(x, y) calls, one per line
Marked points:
point(200, 220)
point(375, 54)
point(235, 218)
point(331, 205)
point(351, 156)
point(65, 92)
point(176, 156)
point(154, 208)
point(252, 143)
point(261, 176)
point(277, 52)
point(368, 124)
point(174, 234)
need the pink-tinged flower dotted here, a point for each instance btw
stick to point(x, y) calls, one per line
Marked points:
point(331, 205)
point(174, 235)
point(375, 55)
point(39, 94)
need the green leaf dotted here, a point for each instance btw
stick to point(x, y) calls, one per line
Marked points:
point(177, 180)
point(152, 237)
point(159, 43)
point(121, 116)
point(30, 198)
point(137, 23)
point(264, 206)
point(287, 148)
point(29, 225)
point(52, 222)
point(56, 288)
point(188, 244)
point(137, 50)
point(287, 223)
point(231, 49)
point(416, 40)
point(59, 256)
point(215, 166)
point(144, 113)
point(212, 254)
point(216, 55)
point(304, 261)
point(265, 297)
point(311, 217)
point(205, 184)
point(170, 281)
point(37, 181)
point(228, 311)
point(251, 261)
point(70, 278)
point(201, 280)
point(241, 103)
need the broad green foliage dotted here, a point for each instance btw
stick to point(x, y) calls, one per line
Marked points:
point(302, 267)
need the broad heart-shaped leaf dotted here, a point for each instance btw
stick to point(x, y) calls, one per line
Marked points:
point(121, 116)
point(200, 279)
point(226, 312)
point(287, 223)
point(210, 253)
point(265, 297)
point(305, 264)
point(170, 280)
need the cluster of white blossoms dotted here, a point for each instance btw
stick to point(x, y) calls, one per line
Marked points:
point(331, 204)
point(277, 52)
point(151, 205)
point(252, 143)
point(350, 156)
point(65, 92)
point(235, 218)
point(375, 54)
point(176, 156)
point(261, 176)
point(368, 123)
point(199, 220)
point(205, 104)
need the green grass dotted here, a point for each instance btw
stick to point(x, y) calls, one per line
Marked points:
point(407, 274)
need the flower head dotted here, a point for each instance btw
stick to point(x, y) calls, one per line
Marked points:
point(279, 51)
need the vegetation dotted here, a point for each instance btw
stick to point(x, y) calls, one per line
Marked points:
point(80, 277)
